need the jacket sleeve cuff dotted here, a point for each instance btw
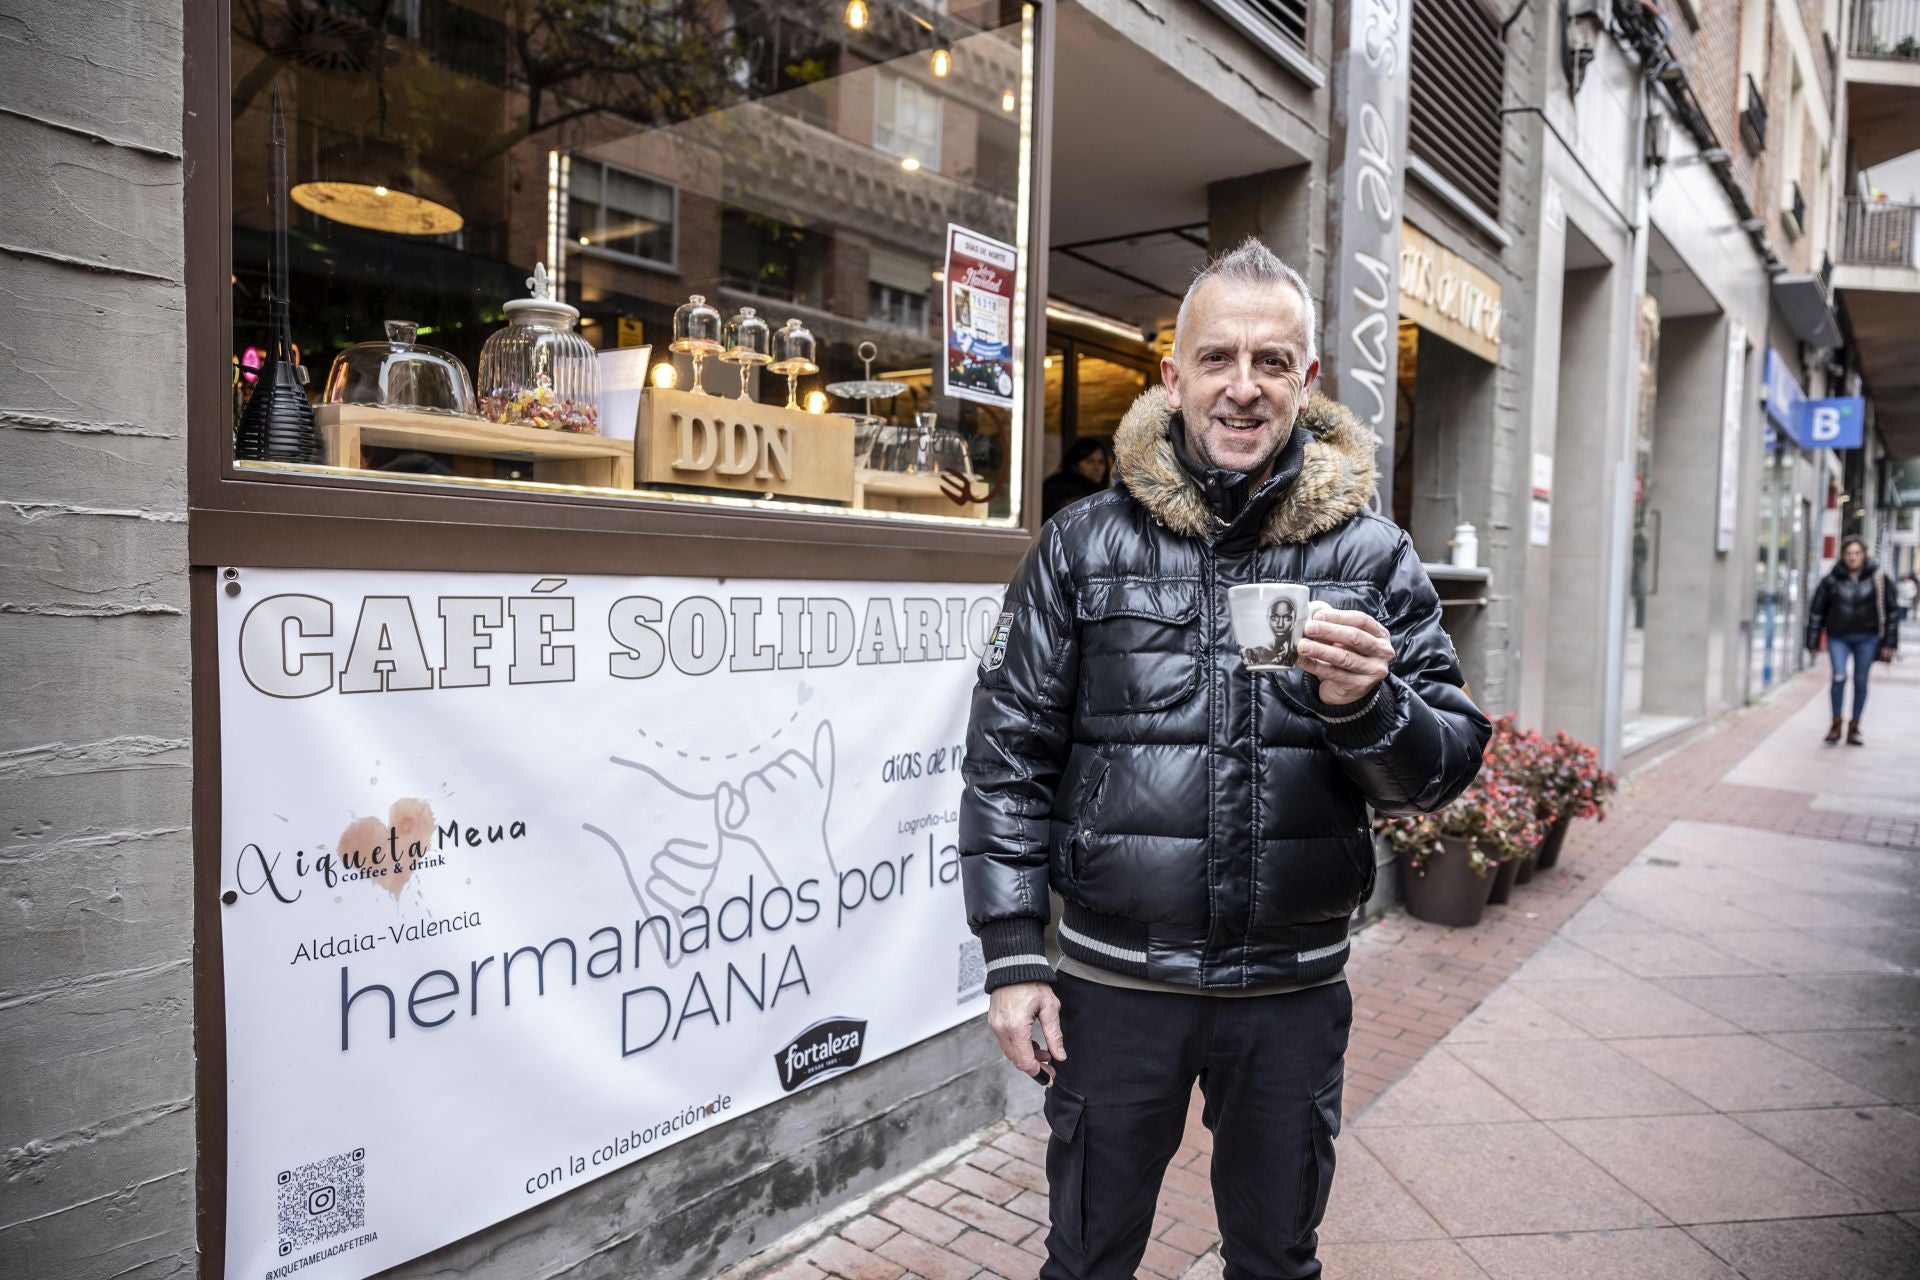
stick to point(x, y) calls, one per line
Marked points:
point(1355, 724)
point(1016, 951)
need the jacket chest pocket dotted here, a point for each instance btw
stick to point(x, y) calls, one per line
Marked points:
point(1139, 645)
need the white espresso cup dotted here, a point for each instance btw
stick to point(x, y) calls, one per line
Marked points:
point(1269, 619)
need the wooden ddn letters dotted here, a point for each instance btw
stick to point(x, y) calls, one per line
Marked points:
point(720, 442)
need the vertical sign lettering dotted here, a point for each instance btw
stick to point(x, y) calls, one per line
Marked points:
point(1360, 338)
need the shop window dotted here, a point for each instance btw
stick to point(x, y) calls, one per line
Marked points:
point(771, 259)
point(906, 121)
point(420, 161)
point(1457, 70)
point(997, 156)
point(617, 211)
point(896, 308)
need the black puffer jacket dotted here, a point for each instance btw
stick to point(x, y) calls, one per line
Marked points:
point(1844, 605)
point(1204, 824)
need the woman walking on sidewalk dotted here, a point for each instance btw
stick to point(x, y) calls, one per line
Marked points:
point(1855, 606)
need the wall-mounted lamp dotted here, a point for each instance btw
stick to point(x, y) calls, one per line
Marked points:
point(1582, 23)
point(857, 15)
point(1656, 141)
point(942, 62)
point(1008, 101)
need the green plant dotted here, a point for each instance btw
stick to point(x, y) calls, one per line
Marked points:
point(1494, 816)
point(1522, 757)
point(1581, 788)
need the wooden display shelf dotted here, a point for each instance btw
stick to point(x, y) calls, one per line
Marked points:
point(917, 494)
point(557, 457)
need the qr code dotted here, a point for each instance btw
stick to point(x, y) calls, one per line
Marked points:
point(323, 1199)
point(973, 970)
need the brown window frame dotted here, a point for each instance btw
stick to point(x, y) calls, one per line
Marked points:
point(302, 519)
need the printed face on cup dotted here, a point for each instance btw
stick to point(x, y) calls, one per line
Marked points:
point(1268, 618)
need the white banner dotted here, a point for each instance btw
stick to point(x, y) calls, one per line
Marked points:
point(1732, 407)
point(525, 879)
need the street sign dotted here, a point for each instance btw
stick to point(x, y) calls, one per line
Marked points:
point(1836, 423)
point(1783, 393)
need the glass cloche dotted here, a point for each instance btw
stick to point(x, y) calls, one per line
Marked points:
point(399, 373)
point(749, 343)
point(793, 356)
point(538, 372)
point(697, 333)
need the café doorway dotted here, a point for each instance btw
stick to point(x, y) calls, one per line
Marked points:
point(1091, 383)
point(1442, 462)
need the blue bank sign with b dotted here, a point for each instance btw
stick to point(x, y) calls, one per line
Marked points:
point(1837, 423)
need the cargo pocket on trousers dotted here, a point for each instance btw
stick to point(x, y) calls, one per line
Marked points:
point(1317, 1169)
point(1067, 1165)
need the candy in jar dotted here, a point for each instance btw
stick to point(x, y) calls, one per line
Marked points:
point(539, 372)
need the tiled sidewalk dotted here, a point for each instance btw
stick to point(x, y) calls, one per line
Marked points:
point(1710, 1063)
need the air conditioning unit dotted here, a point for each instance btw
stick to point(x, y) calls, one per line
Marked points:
point(1794, 213)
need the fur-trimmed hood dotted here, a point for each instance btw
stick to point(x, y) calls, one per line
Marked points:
point(1335, 482)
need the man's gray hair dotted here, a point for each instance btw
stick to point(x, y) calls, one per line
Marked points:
point(1251, 262)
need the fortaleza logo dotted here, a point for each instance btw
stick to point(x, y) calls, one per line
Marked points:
point(822, 1049)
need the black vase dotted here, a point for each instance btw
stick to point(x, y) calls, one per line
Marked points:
point(277, 424)
point(1503, 879)
point(1556, 836)
point(1447, 890)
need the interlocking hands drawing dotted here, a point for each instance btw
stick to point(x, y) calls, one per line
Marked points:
point(683, 848)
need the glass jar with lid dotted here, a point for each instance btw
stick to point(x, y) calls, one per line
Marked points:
point(793, 356)
point(749, 343)
point(696, 332)
point(539, 372)
point(401, 374)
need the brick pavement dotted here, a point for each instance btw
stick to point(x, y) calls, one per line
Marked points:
point(984, 1217)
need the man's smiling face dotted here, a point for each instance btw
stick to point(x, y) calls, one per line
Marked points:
point(1239, 373)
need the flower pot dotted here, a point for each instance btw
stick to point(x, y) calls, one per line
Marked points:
point(1447, 890)
point(1528, 865)
point(1503, 879)
point(1556, 836)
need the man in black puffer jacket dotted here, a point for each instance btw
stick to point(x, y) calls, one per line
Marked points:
point(1202, 828)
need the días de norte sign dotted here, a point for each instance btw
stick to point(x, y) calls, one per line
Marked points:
point(523, 879)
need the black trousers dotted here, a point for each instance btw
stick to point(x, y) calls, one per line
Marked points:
point(1270, 1069)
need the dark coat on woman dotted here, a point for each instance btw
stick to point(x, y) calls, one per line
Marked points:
point(1845, 604)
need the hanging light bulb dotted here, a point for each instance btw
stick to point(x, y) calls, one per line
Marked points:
point(942, 60)
point(1008, 101)
point(816, 402)
point(663, 376)
point(857, 15)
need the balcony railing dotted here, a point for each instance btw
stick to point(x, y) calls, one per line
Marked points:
point(1753, 118)
point(1886, 29)
point(1880, 234)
